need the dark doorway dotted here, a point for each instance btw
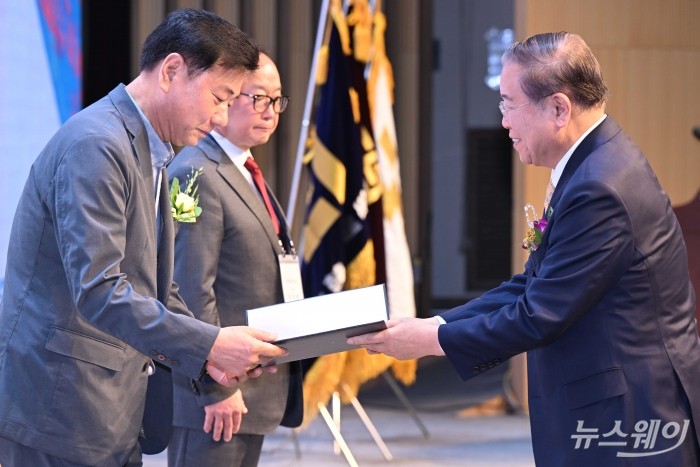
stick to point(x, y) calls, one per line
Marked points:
point(489, 195)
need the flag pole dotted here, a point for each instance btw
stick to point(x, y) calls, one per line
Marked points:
point(305, 121)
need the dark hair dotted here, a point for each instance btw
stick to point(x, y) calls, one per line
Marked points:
point(558, 62)
point(203, 39)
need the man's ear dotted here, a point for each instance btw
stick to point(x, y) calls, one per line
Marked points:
point(562, 108)
point(169, 68)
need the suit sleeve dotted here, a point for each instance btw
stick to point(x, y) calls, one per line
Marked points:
point(95, 203)
point(505, 294)
point(197, 252)
point(590, 246)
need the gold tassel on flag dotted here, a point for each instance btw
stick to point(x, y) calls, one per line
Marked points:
point(322, 70)
point(360, 19)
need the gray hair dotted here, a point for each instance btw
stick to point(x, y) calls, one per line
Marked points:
point(558, 62)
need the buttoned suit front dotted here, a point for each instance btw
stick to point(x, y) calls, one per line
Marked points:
point(605, 311)
point(88, 290)
point(227, 262)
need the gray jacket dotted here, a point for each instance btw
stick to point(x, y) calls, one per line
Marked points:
point(86, 291)
point(226, 263)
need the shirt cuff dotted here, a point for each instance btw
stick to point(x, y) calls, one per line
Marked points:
point(440, 321)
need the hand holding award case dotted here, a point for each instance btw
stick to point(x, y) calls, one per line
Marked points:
point(321, 325)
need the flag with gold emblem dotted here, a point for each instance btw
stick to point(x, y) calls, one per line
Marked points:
point(343, 239)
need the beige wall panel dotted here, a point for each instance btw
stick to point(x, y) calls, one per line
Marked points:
point(663, 23)
point(605, 27)
point(619, 23)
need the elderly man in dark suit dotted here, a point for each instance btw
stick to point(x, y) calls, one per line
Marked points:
point(227, 262)
point(605, 306)
point(89, 300)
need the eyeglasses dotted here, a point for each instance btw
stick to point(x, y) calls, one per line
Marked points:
point(505, 109)
point(261, 102)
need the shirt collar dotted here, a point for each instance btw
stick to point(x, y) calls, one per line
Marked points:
point(237, 155)
point(559, 168)
point(161, 151)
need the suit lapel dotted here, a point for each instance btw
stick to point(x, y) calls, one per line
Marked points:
point(235, 179)
point(138, 136)
point(137, 132)
point(601, 134)
point(129, 114)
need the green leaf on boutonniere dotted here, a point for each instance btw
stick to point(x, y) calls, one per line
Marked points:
point(184, 203)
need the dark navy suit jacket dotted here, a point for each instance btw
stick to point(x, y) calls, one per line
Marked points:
point(605, 310)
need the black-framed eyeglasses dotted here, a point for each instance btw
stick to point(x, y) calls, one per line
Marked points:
point(261, 102)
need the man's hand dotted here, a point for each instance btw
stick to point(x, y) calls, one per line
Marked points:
point(227, 379)
point(405, 339)
point(224, 417)
point(237, 352)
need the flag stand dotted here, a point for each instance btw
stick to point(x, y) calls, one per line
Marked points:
point(335, 431)
point(391, 381)
point(333, 423)
point(332, 420)
point(368, 423)
point(295, 440)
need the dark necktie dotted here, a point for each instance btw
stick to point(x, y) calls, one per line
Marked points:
point(255, 171)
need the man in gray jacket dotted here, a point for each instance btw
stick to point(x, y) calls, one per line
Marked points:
point(89, 301)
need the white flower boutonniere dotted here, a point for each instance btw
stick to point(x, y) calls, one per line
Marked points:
point(184, 203)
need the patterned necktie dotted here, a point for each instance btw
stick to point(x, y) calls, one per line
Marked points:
point(548, 196)
point(255, 171)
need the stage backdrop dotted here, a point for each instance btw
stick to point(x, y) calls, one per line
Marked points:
point(40, 87)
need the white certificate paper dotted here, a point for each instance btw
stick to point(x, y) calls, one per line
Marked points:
point(320, 325)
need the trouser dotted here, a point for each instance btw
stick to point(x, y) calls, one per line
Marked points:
point(18, 455)
point(195, 448)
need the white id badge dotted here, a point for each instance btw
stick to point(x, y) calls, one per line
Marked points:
point(290, 273)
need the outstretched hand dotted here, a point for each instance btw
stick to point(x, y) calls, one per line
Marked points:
point(405, 339)
point(238, 352)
